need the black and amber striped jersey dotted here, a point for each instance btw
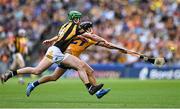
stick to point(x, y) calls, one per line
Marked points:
point(19, 45)
point(66, 34)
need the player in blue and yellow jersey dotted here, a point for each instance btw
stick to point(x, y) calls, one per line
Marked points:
point(55, 54)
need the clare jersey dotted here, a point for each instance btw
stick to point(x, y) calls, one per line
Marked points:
point(66, 34)
point(79, 45)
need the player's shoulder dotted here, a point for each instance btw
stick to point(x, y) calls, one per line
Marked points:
point(65, 24)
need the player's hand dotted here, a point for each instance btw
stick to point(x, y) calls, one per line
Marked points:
point(156, 61)
point(143, 57)
point(47, 42)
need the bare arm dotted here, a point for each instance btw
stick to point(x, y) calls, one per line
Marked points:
point(93, 37)
point(156, 61)
point(102, 42)
point(53, 39)
point(109, 45)
point(50, 41)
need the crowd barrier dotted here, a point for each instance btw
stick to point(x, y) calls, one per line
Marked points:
point(141, 70)
point(137, 70)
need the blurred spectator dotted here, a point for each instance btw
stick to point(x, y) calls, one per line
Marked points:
point(147, 26)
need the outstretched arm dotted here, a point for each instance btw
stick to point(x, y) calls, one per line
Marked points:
point(93, 37)
point(50, 41)
point(109, 45)
point(102, 42)
point(156, 61)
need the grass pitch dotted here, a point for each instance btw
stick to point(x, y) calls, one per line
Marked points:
point(71, 93)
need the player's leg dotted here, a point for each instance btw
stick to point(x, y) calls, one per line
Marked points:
point(75, 63)
point(53, 55)
point(13, 66)
point(90, 74)
point(21, 64)
point(92, 79)
point(42, 66)
point(47, 78)
point(53, 77)
point(16, 62)
point(81, 67)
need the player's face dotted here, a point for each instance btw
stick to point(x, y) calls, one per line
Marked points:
point(89, 30)
point(76, 20)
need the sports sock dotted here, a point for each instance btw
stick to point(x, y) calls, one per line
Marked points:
point(14, 73)
point(88, 85)
point(11, 74)
point(36, 83)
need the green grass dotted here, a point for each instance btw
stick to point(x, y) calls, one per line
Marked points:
point(71, 93)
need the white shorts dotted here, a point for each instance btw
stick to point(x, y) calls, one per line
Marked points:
point(18, 56)
point(18, 61)
point(55, 55)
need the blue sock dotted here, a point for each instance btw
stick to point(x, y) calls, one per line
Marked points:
point(36, 83)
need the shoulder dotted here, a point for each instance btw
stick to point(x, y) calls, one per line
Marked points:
point(64, 25)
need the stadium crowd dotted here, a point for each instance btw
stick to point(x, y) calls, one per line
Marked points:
point(147, 26)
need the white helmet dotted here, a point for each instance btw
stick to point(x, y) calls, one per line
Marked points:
point(21, 32)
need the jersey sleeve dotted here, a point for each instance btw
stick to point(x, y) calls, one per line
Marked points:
point(92, 42)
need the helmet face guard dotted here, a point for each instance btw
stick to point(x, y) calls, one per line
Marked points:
point(73, 15)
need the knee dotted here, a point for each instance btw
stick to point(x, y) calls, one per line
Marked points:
point(36, 71)
point(82, 66)
point(22, 65)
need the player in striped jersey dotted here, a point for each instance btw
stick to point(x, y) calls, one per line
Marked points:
point(79, 45)
point(17, 46)
point(55, 53)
